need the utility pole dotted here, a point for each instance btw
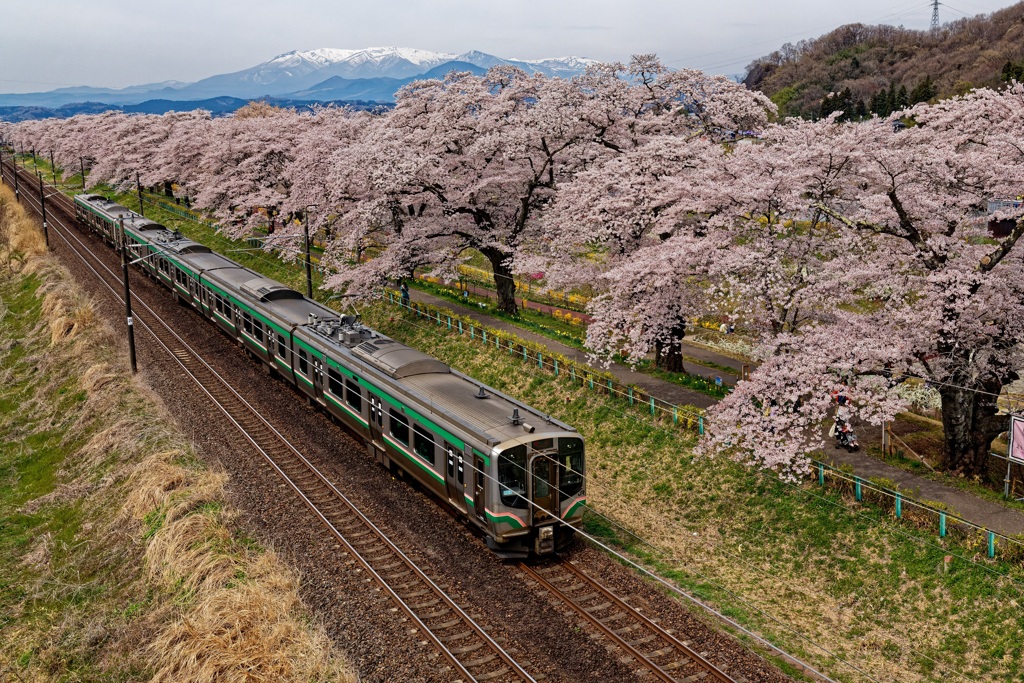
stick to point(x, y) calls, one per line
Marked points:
point(17, 192)
point(53, 167)
point(81, 160)
point(935, 16)
point(138, 185)
point(127, 296)
point(42, 204)
point(309, 272)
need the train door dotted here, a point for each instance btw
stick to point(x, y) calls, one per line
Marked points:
point(376, 420)
point(318, 377)
point(480, 479)
point(544, 484)
point(455, 476)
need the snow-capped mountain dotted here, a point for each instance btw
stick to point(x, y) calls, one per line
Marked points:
point(303, 71)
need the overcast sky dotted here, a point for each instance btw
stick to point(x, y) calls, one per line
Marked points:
point(47, 44)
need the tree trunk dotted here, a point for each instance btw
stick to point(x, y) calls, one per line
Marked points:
point(970, 423)
point(673, 350)
point(503, 281)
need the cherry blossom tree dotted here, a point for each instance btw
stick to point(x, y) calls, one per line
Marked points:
point(943, 303)
point(636, 224)
point(471, 162)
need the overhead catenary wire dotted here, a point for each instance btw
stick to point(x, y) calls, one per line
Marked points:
point(432, 328)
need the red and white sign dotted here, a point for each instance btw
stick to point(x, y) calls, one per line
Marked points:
point(1017, 439)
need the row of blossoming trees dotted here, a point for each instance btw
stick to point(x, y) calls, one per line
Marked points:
point(859, 254)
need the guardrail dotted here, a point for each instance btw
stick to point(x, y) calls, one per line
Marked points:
point(906, 508)
point(557, 364)
point(524, 288)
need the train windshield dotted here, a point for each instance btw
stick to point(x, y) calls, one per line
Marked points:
point(570, 467)
point(512, 477)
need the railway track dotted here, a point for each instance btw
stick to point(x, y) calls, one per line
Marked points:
point(471, 654)
point(651, 647)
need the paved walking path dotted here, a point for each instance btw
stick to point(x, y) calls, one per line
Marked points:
point(666, 391)
point(690, 350)
point(984, 513)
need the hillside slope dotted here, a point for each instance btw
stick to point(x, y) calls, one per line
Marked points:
point(871, 61)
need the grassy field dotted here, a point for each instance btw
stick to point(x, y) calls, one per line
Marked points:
point(119, 559)
point(839, 583)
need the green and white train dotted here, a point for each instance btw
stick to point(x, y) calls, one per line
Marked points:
point(513, 472)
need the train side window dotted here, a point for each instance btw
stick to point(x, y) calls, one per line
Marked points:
point(400, 427)
point(282, 350)
point(303, 363)
point(334, 382)
point(423, 443)
point(257, 330)
point(353, 395)
point(247, 322)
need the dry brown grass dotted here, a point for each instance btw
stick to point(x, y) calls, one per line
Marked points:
point(21, 239)
point(155, 527)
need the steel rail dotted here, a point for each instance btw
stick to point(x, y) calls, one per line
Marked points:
point(643, 631)
point(193, 365)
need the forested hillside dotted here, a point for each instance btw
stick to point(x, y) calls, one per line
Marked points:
point(877, 69)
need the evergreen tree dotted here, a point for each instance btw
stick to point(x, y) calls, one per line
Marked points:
point(923, 91)
point(860, 110)
point(890, 99)
point(902, 99)
point(878, 103)
point(1012, 71)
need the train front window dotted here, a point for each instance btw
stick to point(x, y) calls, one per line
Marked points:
point(570, 467)
point(512, 474)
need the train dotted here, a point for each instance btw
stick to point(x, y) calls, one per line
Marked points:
point(511, 471)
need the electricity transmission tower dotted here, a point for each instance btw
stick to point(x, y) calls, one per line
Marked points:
point(935, 16)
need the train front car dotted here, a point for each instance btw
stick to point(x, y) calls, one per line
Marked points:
point(541, 488)
point(531, 490)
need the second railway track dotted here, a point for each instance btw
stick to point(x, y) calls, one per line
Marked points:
point(651, 647)
point(472, 654)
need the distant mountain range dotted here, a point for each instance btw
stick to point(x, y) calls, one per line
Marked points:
point(370, 75)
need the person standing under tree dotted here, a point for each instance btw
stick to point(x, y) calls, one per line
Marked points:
point(405, 295)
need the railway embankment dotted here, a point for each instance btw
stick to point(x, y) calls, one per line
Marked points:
point(119, 558)
point(837, 580)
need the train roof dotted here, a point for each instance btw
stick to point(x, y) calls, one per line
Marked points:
point(477, 407)
point(115, 211)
